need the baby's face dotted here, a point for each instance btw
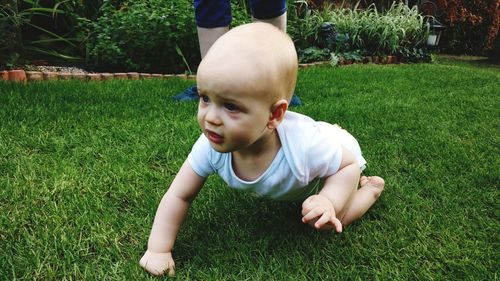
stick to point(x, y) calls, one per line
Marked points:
point(242, 76)
point(232, 115)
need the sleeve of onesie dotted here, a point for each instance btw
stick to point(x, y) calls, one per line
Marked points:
point(199, 157)
point(324, 155)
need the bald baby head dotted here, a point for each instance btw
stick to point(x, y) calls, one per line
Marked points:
point(256, 56)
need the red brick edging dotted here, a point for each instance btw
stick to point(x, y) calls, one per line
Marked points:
point(19, 75)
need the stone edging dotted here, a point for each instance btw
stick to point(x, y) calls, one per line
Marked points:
point(20, 75)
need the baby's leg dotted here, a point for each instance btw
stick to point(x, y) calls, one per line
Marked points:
point(363, 198)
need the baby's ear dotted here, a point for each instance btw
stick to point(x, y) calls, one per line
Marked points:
point(277, 113)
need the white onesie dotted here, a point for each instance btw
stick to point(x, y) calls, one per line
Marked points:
point(310, 150)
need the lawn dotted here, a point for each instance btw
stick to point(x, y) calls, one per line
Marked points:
point(83, 167)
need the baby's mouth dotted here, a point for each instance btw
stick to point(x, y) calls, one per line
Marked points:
point(214, 137)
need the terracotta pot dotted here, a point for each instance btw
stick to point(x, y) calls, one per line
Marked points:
point(133, 75)
point(93, 76)
point(49, 76)
point(17, 75)
point(34, 75)
point(4, 75)
point(120, 75)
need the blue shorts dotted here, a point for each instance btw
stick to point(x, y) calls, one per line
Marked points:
point(217, 13)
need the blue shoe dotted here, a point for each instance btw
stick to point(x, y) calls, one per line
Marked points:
point(295, 100)
point(190, 94)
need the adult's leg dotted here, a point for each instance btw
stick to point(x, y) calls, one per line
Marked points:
point(212, 18)
point(207, 37)
point(273, 12)
point(279, 21)
point(270, 11)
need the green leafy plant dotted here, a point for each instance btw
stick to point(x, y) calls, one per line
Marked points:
point(413, 55)
point(352, 56)
point(10, 37)
point(313, 54)
point(367, 29)
point(42, 29)
point(147, 35)
point(303, 24)
point(334, 59)
point(381, 33)
point(141, 35)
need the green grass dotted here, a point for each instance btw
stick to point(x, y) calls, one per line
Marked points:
point(84, 165)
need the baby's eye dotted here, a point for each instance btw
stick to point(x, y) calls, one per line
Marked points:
point(231, 107)
point(204, 98)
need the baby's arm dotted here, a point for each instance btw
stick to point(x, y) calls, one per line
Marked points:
point(321, 210)
point(169, 217)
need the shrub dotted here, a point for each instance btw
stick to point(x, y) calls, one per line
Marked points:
point(381, 33)
point(41, 30)
point(10, 35)
point(147, 35)
point(400, 27)
point(140, 35)
point(303, 24)
point(472, 25)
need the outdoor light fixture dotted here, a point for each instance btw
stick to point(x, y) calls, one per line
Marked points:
point(435, 30)
point(430, 9)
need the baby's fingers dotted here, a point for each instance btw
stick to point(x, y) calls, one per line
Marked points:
point(311, 215)
point(323, 220)
point(337, 225)
point(171, 270)
point(158, 263)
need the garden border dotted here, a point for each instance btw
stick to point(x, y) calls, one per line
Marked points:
point(20, 75)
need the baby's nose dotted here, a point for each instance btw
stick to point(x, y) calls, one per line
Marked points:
point(212, 116)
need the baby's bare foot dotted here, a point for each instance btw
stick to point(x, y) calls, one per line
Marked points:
point(374, 183)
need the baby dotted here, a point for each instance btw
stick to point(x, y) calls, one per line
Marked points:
point(245, 83)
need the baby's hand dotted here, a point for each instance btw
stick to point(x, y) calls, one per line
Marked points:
point(319, 213)
point(158, 263)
